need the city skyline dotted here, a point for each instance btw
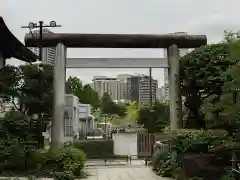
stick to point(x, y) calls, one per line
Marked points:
point(144, 17)
point(136, 87)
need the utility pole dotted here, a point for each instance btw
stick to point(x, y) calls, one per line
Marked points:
point(40, 39)
point(150, 84)
point(41, 25)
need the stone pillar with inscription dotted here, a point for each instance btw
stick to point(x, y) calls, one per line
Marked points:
point(174, 88)
point(57, 130)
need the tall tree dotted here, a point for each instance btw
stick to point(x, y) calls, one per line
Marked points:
point(202, 76)
point(107, 106)
point(73, 84)
point(85, 93)
point(131, 113)
point(224, 112)
point(30, 89)
point(154, 118)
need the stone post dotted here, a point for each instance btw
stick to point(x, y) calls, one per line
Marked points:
point(174, 88)
point(57, 132)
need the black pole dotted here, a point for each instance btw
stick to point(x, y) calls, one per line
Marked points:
point(40, 39)
point(105, 126)
point(235, 97)
point(40, 26)
point(150, 84)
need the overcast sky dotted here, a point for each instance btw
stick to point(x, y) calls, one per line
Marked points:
point(210, 17)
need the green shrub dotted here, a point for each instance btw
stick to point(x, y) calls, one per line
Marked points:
point(65, 175)
point(66, 159)
point(196, 140)
point(166, 162)
point(39, 157)
point(17, 142)
point(14, 154)
point(95, 148)
point(157, 158)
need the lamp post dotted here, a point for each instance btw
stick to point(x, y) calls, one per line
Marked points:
point(150, 84)
point(41, 25)
point(105, 124)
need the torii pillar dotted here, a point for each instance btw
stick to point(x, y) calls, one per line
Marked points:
point(174, 87)
point(170, 41)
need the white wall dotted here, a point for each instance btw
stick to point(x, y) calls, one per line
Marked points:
point(125, 143)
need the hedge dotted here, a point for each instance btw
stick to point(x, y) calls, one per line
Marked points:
point(95, 148)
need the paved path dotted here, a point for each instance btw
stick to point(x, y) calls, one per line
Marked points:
point(117, 171)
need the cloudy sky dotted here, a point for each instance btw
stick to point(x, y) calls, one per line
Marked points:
point(210, 17)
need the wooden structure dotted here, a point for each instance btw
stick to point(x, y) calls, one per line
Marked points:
point(10, 47)
point(145, 142)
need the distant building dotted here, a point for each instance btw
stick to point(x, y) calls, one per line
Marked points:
point(182, 52)
point(48, 54)
point(138, 89)
point(115, 87)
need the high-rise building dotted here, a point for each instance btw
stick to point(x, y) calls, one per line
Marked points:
point(138, 89)
point(115, 87)
point(181, 52)
point(48, 54)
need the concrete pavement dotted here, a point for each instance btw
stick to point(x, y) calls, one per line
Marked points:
point(117, 170)
point(121, 171)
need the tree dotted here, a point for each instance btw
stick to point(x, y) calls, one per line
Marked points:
point(107, 105)
point(202, 76)
point(30, 89)
point(85, 93)
point(90, 96)
point(73, 84)
point(225, 112)
point(37, 89)
point(10, 77)
point(131, 113)
point(154, 118)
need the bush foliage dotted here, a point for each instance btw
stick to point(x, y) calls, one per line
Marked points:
point(65, 175)
point(95, 148)
point(167, 161)
point(19, 149)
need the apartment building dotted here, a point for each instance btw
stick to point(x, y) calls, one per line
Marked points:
point(115, 87)
point(138, 89)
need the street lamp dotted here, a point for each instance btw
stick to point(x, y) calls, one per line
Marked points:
point(89, 123)
point(150, 84)
point(105, 122)
point(33, 25)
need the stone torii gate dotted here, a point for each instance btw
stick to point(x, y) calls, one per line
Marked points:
point(170, 41)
